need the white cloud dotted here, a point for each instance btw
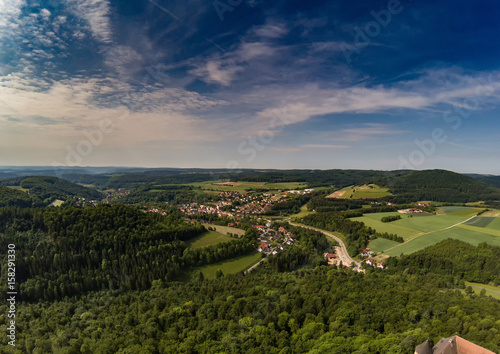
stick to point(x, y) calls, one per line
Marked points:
point(10, 10)
point(96, 14)
point(271, 30)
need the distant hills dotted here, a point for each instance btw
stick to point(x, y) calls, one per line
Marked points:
point(35, 191)
point(406, 185)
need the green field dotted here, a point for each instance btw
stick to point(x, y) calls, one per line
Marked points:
point(229, 266)
point(454, 209)
point(207, 238)
point(225, 229)
point(381, 244)
point(468, 213)
point(494, 225)
point(370, 191)
point(480, 221)
point(378, 216)
point(459, 233)
point(491, 290)
point(57, 203)
point(481, 229)
point(430, 223)
point(389, 227)
point(303, 212)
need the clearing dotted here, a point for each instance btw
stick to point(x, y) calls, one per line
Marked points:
point(207, 239)
point(228, 266)
point(225, 229)
point(381, 244)
point(389, 227)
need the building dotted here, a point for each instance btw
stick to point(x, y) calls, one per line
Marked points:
point(451, 345)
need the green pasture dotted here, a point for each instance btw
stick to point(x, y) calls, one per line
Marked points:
point(207, 239)
point(228, 266)
point(430, 223)
point(378, 216)
point(480, 221)
point(481, 229)
point(245, 186)
point(381, 244)
point(57, 203)
point(454, 209)
point(374, 192)
point(225, 229)
point(494, 225)
point(458, 233)
point(389, 227)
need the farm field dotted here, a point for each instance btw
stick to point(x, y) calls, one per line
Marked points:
point(491, 213)
point(481, 229)
point(378, 216)
point(480, 221)
point(228, 266)
point(430, 223)
point(303, 212)
point(225, 229)
point(57, 203)
point(494, 225)
point(370, 191)
point(389, 227)
point(454, 209)
point(381, 244)
point(459, 233)
point(208, 238)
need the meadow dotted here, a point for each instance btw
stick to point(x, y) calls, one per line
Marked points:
point(381, 244)
point(228, 266)
point(225, 229)
point(246, 186)
point(207, 239)
point(459, 233)
point(389, 227)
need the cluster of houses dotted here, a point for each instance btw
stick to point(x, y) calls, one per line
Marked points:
point(411, 211)
point(369, 253)
point(155, 210)
point(234, 204)
point(272, 241)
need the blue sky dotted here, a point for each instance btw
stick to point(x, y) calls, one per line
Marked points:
point(251, 84)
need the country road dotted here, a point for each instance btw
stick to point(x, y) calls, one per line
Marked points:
point(254, 266)
point(357, 266)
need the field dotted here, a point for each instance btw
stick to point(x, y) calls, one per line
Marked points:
point(491, 290)
point(494, 225)
point(57, 203)
point(381, 244)
point(242, 187)
point(207, 239)
point(229, 266)
point(367, 191)
point(458, 233)
point(303, 212)
point(454, 209)
point(492, 213)
point(430, 223)
point(225, 229)
point(480, 222)
point(389, 227)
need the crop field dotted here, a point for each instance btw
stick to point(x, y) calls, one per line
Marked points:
point(389, 227)
point(481, 229)
point(370, 191)
point(494, 225)
point(468, 213)
point(381, 244)
point(228, 266)
point(480, 221)
point(57, 203)
point(430, 223)
point(206, 239)
point(454, 209)
point(225, 229)
point(492, 213)
point(378, 216)
point(458, 233)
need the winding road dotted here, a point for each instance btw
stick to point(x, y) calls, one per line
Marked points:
point(344, 255)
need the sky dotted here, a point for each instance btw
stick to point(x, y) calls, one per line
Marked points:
point(251, 84)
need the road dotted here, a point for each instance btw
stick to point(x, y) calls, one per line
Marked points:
point(344, 256)
point(478, 287)
point(254, 266)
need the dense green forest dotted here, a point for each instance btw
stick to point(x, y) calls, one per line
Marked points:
point(44, 190)
point(70, 251)
point(14, 198)
point(440, 185)
point(320, 310)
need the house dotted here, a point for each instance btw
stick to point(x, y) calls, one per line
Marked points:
point(451, 345)
point(369, 261)
point(331, 258)
point(381, 265)
point(263, 247)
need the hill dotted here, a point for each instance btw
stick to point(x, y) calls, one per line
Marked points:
point(441, 185)
point(15, 198)
point(49, 188)
point(493, 181)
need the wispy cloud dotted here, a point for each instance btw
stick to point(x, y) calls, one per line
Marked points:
point(96, 14)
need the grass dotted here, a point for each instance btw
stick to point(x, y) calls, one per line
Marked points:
point(371, 191)
point(468, 213)
point(481, 229)
point(430, 223)
point(381, 244)
point(378, 216)
point(489, 289)
point(458, 233)
point(57, 203)
point(480, 222)
point(454, 209)
point(207, 239)
point(228, 266)
point(225, 229)
point(19, 188)
point(389, 227)
point(303, 212)
point(494, 225)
